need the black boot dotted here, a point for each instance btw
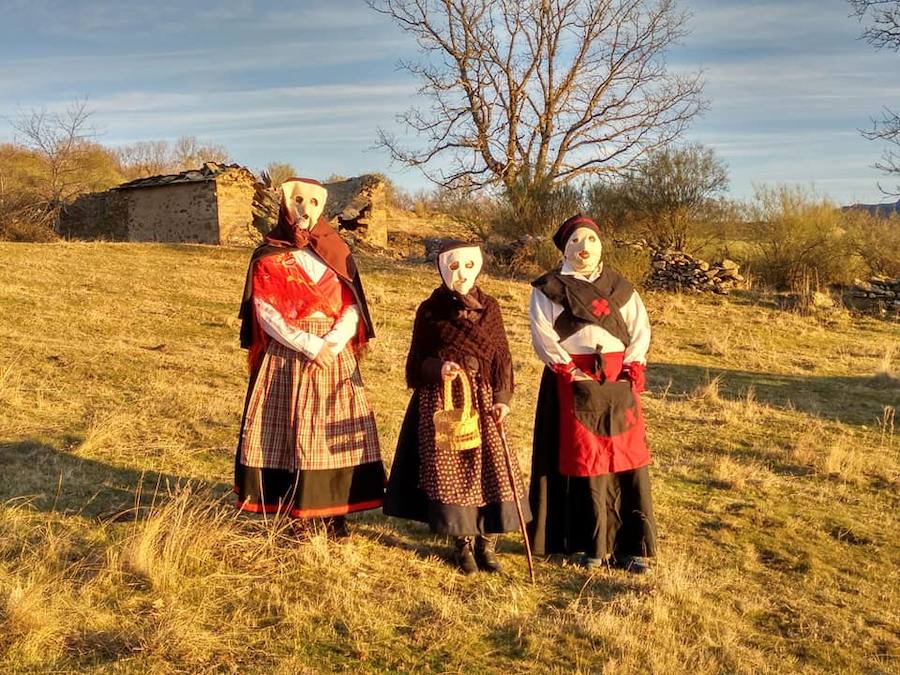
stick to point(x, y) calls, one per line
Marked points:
point(486, 552)
point(464, 554)
point(336, 527)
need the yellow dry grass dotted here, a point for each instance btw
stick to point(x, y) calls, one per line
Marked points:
point(776, 480)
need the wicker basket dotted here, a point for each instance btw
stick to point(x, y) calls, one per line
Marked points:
point(457, 429)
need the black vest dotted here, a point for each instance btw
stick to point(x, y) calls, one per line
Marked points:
point(597, 302)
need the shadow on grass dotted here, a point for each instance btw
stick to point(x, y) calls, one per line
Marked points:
point(415, 538)
point(52, 480)
point(852, 400)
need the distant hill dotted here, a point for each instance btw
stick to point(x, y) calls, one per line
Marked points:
point(875, 209)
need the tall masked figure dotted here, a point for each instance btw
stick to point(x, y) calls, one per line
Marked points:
point(308, 444)
point(590, 484)
point(458, 334)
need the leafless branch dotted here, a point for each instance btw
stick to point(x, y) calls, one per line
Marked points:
point(563, 88)
point(883, 31)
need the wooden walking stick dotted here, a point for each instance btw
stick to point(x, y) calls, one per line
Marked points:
point(515, 491)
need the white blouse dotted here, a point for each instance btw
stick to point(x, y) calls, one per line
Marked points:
point(551, 350)
point(278, 329)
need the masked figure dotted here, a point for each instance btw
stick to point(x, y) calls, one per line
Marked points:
point(458, 333)
point(308, 443)
point(590, 485)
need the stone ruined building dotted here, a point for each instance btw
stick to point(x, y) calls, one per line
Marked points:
point(217, 204)
point(209, 205)
point(358, 207)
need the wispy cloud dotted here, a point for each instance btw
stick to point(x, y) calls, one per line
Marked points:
point(789, 82)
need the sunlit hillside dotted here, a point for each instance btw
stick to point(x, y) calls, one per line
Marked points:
point(776, 476)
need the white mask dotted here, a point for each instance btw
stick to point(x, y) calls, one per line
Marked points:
point(583, 250)
point(460, 268)
point(306, 201)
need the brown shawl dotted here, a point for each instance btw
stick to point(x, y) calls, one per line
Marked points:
point(468, 331)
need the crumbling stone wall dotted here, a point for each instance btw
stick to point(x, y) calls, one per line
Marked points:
point(678, 271)
point(877, 295)
point(234, 196)
point(359, 205)
point(180, 213)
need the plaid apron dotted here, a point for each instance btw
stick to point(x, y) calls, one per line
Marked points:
point(302, 418)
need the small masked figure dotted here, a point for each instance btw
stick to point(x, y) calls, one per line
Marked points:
point(458, 333)
point(308, 443)
point(590, 482)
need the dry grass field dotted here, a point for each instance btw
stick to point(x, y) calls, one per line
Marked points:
point(776, 476)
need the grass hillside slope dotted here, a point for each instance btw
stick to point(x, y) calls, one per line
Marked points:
point(776, 474)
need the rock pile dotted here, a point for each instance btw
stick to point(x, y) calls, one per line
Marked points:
point(679, 271)
point(878, 293)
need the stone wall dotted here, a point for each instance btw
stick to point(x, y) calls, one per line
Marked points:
point(184, 212)
point(359, 205)
point(877, 295)
point(99, 215)
point(678, 271)
point(234, 196)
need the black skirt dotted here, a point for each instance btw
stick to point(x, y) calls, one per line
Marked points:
point(610, 515)
point(309, 493)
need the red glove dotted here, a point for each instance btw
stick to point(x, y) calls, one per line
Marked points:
point(634, 373)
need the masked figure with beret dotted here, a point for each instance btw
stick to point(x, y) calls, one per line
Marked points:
point(458, 333)
point(308, 444)
point(590, 484)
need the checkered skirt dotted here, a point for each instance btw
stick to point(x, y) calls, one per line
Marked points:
point(302, 418)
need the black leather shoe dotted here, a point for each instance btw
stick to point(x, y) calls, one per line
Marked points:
point(486, 552)
point(590, 563)
point(633, 564)
point(464, 555)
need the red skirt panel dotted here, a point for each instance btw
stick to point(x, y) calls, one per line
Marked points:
point(601, 421)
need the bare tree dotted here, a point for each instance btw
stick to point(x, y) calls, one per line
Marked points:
point(883, 32)
point(152, 158)
point(887, 129)
point(145, 158)
point(673, 197)
point(278, 172)
point(561, 88)
point(190, 153)
point(59, 139)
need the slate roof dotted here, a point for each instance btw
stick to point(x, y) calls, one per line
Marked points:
point(209, 171)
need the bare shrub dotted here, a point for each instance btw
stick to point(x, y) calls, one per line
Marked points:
point(17, 228)
point(278, 172)
point(634, 265)
point(534, 205)
point(875, 240)
point(797, 236)
point(672, 198)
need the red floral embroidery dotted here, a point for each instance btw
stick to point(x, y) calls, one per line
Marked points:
point(600, 307)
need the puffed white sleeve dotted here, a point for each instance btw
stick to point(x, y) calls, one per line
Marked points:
point(343, 330)
point(544, 338)
point(638, 324)
point(278, 329)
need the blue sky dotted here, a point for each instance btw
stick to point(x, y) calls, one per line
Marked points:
point(789, 83)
